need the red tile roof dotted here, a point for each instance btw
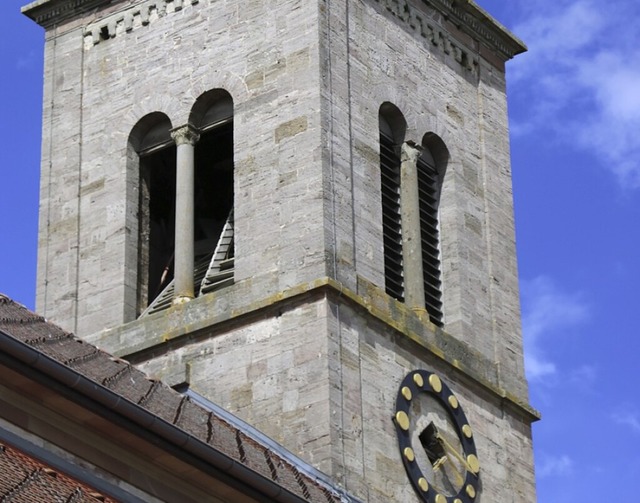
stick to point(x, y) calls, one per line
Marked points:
point(26, 479)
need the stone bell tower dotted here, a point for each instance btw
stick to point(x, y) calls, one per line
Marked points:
point(290, 207)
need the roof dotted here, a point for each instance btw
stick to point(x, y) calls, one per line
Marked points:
point(177, 418)
point(24, 478)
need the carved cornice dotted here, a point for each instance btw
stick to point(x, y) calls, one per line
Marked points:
point(466, 16)
point(118, 16)
point(129, 18)
point(476, 22)
point(49, 12)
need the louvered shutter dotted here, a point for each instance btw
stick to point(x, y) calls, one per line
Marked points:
point(212, 270)
point(428, 193)
point(220, 270)
point(391, 219)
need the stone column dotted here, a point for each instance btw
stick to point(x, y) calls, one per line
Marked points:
point(185, 137)
point(411, 239)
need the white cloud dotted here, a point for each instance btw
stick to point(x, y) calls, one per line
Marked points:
point(581, 80)
point(546, 311)
point(557, 29)
point(614, 81)
point(554, 466)
point(627, 418)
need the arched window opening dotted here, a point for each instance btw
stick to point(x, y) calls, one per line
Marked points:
point(431, 166)
point(214, 228)
point(158, 188)
point(151, 143)
point(392, 128)
point(210, 132)
point(411, 179)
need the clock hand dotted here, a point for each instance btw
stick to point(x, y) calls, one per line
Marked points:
point(450, 448)
point(459, 476)
point(439, 462)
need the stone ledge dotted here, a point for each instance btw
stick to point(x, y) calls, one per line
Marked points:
point(475, 21)
point(466, 15)
point(180, 323)
point(49, 12)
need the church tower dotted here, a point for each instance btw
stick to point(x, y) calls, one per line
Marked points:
point(301, 211)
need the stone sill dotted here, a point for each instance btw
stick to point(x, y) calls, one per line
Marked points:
point(179, 324)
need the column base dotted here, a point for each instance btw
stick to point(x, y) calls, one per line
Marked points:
point(181, 299)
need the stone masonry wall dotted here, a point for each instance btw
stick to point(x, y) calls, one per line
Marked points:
point(59, 181)
point(321, 377)
point(376, 52)
point(307, 82)
point(103, 78)
point(372, 361)
point(273, 372)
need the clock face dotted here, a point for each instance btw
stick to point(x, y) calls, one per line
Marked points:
point(435, 439)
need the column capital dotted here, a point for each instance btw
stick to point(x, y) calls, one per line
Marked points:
point(185, 135)
point(410, 152)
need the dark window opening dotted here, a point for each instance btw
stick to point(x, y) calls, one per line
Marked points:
point(213, 204)
point(213, 218)
point(157, 219)
point(213, 187)
point(431, 443)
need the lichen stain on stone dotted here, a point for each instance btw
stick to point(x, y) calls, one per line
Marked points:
point(291, 128)
point(455, 115)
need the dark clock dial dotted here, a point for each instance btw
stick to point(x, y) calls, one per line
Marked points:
point(436, 441)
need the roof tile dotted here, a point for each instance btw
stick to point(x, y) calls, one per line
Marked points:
point(24, 479)
point(194, 420)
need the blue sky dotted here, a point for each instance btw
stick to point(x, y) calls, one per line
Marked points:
point(574, 108)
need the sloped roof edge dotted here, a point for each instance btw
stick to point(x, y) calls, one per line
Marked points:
point(15, 340)
point(37, 478)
